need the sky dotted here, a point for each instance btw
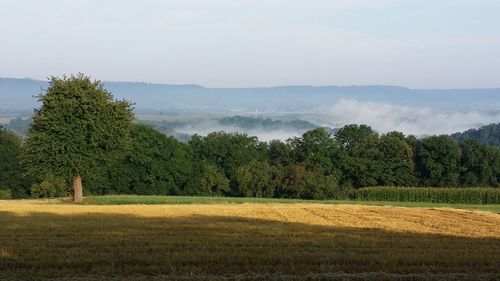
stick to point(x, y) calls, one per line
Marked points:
point(243, 43)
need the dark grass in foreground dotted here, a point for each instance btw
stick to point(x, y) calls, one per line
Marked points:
point(158, 199)
point(114, 246)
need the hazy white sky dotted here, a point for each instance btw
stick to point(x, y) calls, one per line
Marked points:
point(238, 43)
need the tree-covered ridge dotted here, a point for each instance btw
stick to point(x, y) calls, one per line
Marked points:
point(175, 128)
point(18, 125)
point(162, 97)
point(184, 129)
point(266, 123)
point(489, 134)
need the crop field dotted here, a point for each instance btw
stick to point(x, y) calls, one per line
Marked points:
point(43, 240)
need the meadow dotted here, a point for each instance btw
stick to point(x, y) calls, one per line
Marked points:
point(159, 199)
point(50, 240)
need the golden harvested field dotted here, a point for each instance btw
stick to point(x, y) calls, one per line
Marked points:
point(40, 240)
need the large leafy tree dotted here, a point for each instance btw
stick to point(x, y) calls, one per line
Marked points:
point(396, 160)
point(437, 161)
point(77, 130)
point(361, 163)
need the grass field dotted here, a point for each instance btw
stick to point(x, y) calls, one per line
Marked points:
point(153, 200)
point(253, 241)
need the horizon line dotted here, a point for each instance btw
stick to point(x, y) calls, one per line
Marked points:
point(265, 87)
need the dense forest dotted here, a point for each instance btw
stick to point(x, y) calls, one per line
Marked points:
point(317, 165)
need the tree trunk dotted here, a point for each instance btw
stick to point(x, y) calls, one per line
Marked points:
point(77, 189)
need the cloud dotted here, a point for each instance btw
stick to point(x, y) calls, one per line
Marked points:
point(419, 121)
point(382, 117)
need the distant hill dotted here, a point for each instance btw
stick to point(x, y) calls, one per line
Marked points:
point(17, 95)
point(264, 128)
point(245, 122)
point(489, 134)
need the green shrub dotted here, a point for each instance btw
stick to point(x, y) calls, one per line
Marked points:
point(5, 194)
point(50, 187)
point(213, 182)
point(434, 195)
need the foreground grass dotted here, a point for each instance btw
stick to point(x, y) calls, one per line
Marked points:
point(152, 200)
point(299, 241)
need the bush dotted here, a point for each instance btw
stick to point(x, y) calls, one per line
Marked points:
point(434, 195)
point(5, 194)
point(255, 180)
point(213, 182)
point(50, 187)
point(319, 186)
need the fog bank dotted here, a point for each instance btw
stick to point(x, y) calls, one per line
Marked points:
point(419, 121)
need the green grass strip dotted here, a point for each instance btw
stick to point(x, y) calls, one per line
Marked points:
point(172, 200)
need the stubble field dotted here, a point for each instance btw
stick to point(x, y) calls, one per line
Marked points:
point(299, 241)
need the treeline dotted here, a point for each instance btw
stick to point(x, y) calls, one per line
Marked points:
point(489, 135)
point(12, 181)
point(19, 125)
point(316, 165)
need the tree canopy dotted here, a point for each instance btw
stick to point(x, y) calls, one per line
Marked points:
point(12, 182)
point(316, 165)
point(77, 128)
point(438, 159)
